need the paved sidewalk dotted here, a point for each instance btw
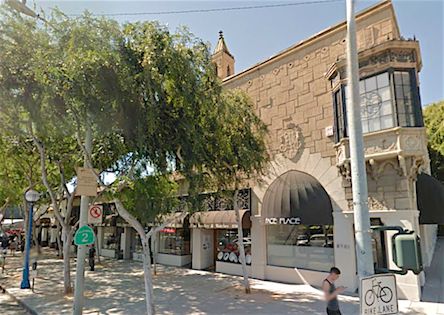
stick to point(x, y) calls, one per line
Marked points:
point(8, 306)
point(117, 287)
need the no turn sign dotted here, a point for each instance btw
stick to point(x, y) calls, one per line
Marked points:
point(378, 295)
point(95, 213)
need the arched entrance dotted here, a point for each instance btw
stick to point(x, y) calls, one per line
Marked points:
point(297, 214)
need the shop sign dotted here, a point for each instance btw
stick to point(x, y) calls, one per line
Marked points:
point(378, 295)
point(288, 221)
point(168, 230)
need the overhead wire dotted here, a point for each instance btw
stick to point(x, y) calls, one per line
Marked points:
point(251, 7)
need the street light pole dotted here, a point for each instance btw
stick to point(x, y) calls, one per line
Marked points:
point(364, 252)
point(31, 197)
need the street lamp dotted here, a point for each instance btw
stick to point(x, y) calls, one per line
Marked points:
point(31, 196)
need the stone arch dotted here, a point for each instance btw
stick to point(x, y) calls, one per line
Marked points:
point(316, 166)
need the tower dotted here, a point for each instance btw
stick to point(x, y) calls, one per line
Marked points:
point(223, 59)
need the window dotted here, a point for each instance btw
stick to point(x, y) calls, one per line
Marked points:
point(174, 241)
point(227, 245)
point(300, 246)
point(228, 71)
point(387, 100)
point(340, 117)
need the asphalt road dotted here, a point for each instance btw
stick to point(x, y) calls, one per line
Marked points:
point(9, 307)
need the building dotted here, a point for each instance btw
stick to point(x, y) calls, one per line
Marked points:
point(300, 223)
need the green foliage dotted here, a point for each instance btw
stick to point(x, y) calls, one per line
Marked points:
point(434, 122)
point(155, 105)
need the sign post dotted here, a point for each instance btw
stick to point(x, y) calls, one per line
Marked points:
point(378, 295)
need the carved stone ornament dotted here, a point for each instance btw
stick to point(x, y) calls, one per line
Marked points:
point(290, 141)
point(376, 168)
point(345, 170)
point(374, 204)
point(389, 56)
point(381, 145)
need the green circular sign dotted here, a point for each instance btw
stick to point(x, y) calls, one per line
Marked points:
point(84, 236)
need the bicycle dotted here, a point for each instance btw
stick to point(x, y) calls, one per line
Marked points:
point(378, 292)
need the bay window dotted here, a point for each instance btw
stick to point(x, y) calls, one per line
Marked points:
point(388, 99)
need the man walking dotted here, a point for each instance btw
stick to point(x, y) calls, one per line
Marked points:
point(331, 292)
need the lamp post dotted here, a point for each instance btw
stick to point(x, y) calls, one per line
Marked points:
point(31, 196)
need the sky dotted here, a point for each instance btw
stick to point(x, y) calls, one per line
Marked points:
point(256, 34)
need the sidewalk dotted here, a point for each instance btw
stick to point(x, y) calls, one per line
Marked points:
point(117, 287)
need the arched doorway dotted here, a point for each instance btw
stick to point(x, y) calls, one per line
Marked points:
point(297, 213)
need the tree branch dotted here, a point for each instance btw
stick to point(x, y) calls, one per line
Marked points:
point(52, 195)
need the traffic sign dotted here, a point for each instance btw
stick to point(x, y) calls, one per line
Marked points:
point(84, 236)
point(378, 295)
point(95, 213)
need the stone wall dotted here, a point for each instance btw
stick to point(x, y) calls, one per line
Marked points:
point(292, 95)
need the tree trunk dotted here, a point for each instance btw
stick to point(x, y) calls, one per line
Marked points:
point(67, 240)
point(154, 246)
point(241, 244)
point(149, 294)
point(145, 238)
point(59, 242)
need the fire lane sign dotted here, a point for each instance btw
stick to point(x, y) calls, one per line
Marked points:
point(378, 295)
point(95, 213)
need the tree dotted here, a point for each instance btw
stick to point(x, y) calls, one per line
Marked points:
point(55, 79)
point(170, 115)
point(433, 119)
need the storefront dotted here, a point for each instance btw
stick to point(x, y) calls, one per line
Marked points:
point(215, 235)
point(174, 241)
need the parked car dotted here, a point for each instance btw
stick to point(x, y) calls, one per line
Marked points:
point(320, 240)
point(302, 240)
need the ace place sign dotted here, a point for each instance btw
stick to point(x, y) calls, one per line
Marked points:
point(289, 221)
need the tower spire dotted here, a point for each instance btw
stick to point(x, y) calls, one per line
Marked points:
point(222, 58)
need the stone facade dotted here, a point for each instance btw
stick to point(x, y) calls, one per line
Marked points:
point(292, 93)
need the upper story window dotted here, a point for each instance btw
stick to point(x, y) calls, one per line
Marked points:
point(387, 100)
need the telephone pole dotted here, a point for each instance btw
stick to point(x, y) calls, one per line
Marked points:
point(364, 254)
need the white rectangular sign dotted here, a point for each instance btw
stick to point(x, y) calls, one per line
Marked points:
point(95, 214)
point(378, 295)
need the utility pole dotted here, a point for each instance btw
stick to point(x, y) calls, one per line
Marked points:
point(81, 249)
point(364, 254)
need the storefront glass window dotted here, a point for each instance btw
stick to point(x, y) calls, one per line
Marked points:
point(109, 238)
point(300, 246)
point(174, 241)
point(227, 245)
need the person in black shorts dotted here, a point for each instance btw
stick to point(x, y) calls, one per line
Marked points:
point(331, 292)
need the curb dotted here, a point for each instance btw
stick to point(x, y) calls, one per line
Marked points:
point(27, 308)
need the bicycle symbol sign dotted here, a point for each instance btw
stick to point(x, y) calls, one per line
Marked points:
point(378, 295)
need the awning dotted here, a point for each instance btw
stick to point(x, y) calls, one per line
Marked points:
point(297, 195)
point(430, 199)
point(220, 219)
point(175, 220)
